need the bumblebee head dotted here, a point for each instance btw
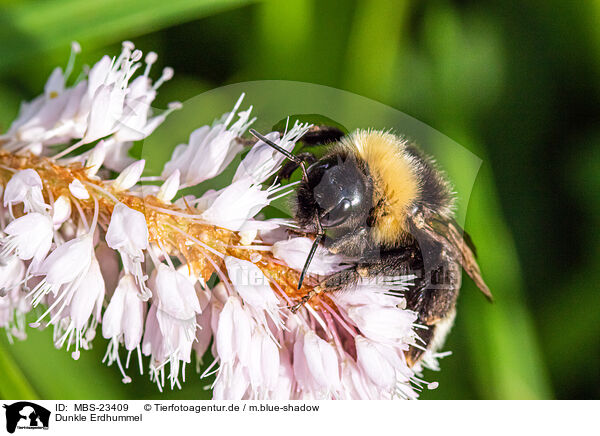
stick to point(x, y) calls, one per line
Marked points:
point(368, 182)
point(338, 189)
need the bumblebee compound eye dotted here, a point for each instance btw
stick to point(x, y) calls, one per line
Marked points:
point(339, 190)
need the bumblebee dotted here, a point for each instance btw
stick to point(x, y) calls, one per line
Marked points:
point(377, 198)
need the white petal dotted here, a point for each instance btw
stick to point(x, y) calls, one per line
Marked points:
point(384, 324)
point(294, 252)
point(322, 361)
point(248, 236)
point(270, 362)
point(127, 230)
point(255, 360)
point(11, 273)
point(113, 315)
point(88, 296)
point(20, 184)
point(314, 359)
point(178, 336)
point(379, 370)
point(260, 161)
point(61, 210)
point(232, 383)
point(236, 204)
point(251, 284)
point(133, 317)
point(152, 343)
point(224, 337)
point(176, 295)
point(32, 234)
point(169, 188)
point(302, 372)
point(129, 176)
point(78, 190)
point(55, 83)
point(67, 261)
point(101, 120)
point(233, 336)
point(210, 149)
point(96, 159)
point(97, 74)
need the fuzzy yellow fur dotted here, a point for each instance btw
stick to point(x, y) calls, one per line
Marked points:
point(395, 182)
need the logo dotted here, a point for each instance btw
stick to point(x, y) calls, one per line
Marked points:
point(26, 415)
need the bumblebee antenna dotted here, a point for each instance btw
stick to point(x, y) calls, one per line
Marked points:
point(283, 151)
point(300, 163)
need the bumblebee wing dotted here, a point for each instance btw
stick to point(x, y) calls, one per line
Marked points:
point(449, 230)
point(466, 237)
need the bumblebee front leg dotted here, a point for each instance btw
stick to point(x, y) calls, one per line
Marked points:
point(333, 283)
point(309, 295)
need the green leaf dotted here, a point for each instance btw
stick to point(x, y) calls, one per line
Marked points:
point(28, 29)
point(14, 383)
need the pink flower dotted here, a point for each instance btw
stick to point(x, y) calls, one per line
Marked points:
point(63, 252)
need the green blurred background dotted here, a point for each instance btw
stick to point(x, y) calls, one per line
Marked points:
point(517, 83)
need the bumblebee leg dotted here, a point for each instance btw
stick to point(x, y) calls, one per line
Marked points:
point(295, 307)
point(333, 283)
point(355, 243)
point(387, 264)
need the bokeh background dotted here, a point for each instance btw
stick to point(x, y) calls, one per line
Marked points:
point(517, 83)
